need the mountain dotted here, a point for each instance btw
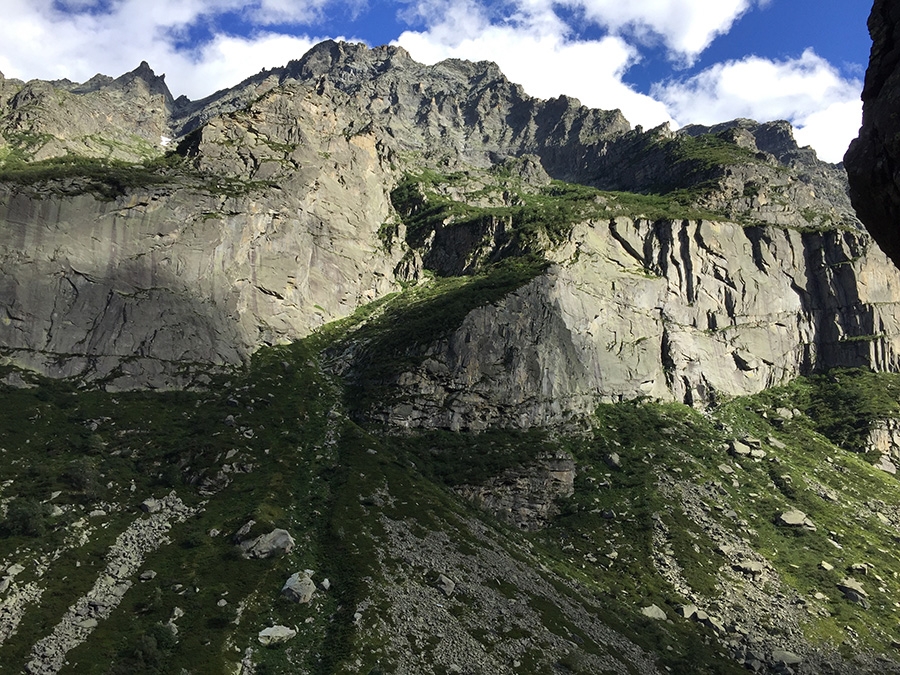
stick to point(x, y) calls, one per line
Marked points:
point(369, 366)
point(871, 157)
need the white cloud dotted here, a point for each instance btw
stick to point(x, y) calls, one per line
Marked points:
point(268, 12)
point(830, 131)
point(227, 60)
point(78, 44)
point(686, 27)
point(533, 49)
point(808, 91)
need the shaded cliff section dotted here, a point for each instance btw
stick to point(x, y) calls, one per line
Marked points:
point(873, 159)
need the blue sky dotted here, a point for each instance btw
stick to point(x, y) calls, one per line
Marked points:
point(681, 61)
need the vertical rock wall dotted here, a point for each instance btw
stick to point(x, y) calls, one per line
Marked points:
point(673, 310)
point(873, 158)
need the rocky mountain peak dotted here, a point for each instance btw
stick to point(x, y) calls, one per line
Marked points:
point(154, 84)
point(775, 138)
point(345, 58)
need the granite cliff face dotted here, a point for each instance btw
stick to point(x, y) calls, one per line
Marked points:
point(872, 158)
point(672, 310)
point(279, 213)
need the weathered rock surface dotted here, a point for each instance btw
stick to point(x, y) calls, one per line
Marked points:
point(134, 290)
point(275, 635)
point(127, 118)
point(683, 310)
point(854, 592)
point(654, 612)
point(299, 588)
point(526, 496)
point(266, 545)
point(281, 229)
point(796, 518)
point(872, 158)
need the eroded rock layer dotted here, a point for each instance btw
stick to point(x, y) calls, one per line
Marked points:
point(672, 310)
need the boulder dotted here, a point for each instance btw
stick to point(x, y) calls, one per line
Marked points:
point(151, 505)
point(796, 518)
point(267, 545)
point(751, 567)
point(886, 465)
point(854, 592)
point(784, 657)
point(275, 635)
point(654, 612)
point(299, 588)
point(446, 585)
point(687, 611)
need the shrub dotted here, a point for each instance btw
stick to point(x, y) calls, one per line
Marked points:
point(26, 518)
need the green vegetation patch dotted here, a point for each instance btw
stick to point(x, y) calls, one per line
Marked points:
point(106, 178)
point(533, 218)
point(521, 219)
point(707, 151)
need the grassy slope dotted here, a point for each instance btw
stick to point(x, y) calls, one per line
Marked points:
point(323, 476)
point(314, 474)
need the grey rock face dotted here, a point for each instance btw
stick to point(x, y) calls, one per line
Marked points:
point(133, 291)
point(282, 229)
point(683, 310)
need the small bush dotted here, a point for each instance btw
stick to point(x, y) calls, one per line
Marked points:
point(27, 518)
point(82, 474)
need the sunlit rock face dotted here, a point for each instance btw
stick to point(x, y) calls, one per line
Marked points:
point(675, 310)
point(277, 217)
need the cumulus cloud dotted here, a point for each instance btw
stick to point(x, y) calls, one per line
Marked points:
point(81, 38)
point(534, 49)
point(808, 91)
point(686, 27)
point(226, 60)
point(269, 12)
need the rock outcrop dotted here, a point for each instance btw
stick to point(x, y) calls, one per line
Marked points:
point(526, 496)
point(127, 118)
point(672, 310)
point(872, 158)
point(276, 217)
